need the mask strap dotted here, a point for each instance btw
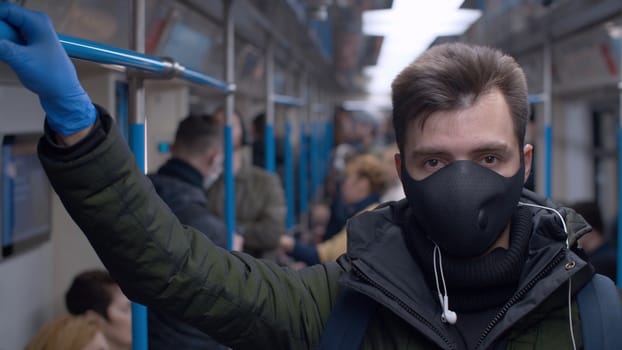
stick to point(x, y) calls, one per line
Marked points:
point(447, 316)
point(574, 345)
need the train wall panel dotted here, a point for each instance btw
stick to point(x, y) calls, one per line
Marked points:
point(26, 300)
point(166, 104)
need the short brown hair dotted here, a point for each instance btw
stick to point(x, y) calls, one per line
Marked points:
point(453, 76)
point(90, 290)
point(197, 133)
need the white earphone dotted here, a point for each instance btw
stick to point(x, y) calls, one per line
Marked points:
point(448, 315)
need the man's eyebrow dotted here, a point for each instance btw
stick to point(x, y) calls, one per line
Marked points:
point(426, 151)
point(499, 147)
point(492, 147)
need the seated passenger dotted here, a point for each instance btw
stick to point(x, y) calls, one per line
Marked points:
point(69, 333)
point(259, 199)
point(96, 295)
point(364, 183)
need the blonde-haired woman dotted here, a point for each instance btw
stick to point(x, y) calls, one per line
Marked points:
point(69, 333)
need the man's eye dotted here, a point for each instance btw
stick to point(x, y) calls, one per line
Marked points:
point(490, 159)
point(432, 162)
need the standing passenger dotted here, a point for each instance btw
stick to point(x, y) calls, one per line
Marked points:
point(195, 164)
point(507, 273)
point(259, 199)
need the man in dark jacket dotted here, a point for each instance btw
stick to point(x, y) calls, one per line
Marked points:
point(466, 232)
point(195, 163)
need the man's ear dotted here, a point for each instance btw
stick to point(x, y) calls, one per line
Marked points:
point(210, 156)
point(528, 156)
point(398, 164)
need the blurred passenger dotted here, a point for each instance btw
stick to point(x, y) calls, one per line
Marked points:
point(320, 213)
point(259, 146)
point(365, 129)
point(96, 295)
point(69, 333)
point(394, 190)
point(181, 182)
point(365, 181)
point(342, 208)
point(600, 250)
point(259, 198)
point(343, 127)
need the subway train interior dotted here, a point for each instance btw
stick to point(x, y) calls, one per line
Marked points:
point(298, 74)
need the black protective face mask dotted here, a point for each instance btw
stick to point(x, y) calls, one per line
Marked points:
point(464, 206)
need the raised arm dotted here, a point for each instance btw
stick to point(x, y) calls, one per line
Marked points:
point(243, 302)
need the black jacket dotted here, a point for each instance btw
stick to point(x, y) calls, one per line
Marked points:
point(181, 187)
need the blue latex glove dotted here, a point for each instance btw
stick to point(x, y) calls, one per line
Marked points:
point(43, 66)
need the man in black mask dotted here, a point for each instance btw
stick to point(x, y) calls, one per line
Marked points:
point(467, 261)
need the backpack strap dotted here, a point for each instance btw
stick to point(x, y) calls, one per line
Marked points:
point(601, 314)
point(347, 321)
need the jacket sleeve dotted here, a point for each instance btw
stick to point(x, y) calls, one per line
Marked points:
point(263, 234)
point(240, 301)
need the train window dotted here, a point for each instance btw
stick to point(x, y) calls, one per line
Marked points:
point(25, 195)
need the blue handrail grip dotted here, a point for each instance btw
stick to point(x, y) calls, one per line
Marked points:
point(270, 149)
point(289, 177)
point(139, 312)
point(229, 186)
point(619, 260)
point(548, 160)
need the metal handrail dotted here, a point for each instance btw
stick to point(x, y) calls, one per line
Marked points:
point(96, 52)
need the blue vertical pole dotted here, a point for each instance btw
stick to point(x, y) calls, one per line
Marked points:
point(313, 156)
point(229, 110)
point(289, 177)
point(136, 135)
point(270, 148)
point(139, 312)
point(548, 160)
point(302, 172)
point(548, 120)
point(269, 128)
point(229, 186)
point(619, 260)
